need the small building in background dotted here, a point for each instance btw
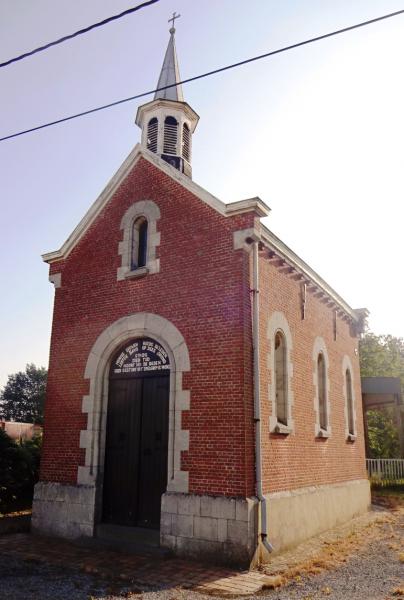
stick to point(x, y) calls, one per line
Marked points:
point(20, 431)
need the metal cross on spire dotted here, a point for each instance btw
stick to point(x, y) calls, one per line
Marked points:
point(170, 75)
point(175, 16)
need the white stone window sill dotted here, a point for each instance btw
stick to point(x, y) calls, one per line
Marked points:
point(141, 272)
point(282, 429)
point(323, 433)
point(351, 437)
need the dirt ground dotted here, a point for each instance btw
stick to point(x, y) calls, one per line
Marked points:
point(364, 565)
point(363, 561)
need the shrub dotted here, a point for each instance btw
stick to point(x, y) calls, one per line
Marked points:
point(19, 467)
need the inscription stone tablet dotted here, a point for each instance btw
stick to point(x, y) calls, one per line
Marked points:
point(140, 357)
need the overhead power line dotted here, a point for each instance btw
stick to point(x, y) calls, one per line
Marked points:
point(77, 33)
point(203, 75)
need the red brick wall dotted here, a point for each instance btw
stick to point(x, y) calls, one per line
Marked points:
point(301, 459)
point(202, 288)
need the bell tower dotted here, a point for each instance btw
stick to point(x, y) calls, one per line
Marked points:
point(168, 122)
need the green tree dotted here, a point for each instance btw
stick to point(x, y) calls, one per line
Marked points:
point(23, 397)
point(382, 434)
point(19, 469)
point(382, 356)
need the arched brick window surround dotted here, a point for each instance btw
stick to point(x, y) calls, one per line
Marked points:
point(95, 403)
point(278, 322)
point(347, 364)
point(151, 212)
point(319, 347)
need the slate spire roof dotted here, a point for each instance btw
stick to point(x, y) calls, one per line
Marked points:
point(170, 74)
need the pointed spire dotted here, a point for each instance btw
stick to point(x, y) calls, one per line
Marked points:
point(167, 122)
point(170, 73)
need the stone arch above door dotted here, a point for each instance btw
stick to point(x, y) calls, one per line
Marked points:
point(92, 439)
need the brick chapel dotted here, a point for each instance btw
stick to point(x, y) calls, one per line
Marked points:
point(204, 390)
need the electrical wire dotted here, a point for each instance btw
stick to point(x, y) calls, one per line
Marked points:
point(207, 74)
point(77, 33)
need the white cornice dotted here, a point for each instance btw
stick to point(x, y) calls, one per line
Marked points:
point(255, 204)
point(274, 243)
point(243, 206)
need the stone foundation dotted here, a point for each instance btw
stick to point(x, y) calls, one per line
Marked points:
point(216, 529)
point(63, 510)
point(297, 515)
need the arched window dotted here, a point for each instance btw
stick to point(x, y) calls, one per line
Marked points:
point(139, 243)
point(281, 389)
point(152, 129)
point(281, 397)
point(322, 391)
point(322, 406)
point(170, 135)
point(186, 142)
point(349, 400)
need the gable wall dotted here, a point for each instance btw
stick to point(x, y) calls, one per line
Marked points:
point(300, 459)
point(202, 288)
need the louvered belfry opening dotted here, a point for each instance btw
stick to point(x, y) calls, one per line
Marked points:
point(152, 129)
point(186, 142)
point(170, 136)
point(168, 122)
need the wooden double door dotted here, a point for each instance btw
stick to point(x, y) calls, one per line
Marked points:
point(135, 472)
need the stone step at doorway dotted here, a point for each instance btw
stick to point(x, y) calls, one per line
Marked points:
point(131, 540)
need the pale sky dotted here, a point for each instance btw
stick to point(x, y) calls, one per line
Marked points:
point(317, 133)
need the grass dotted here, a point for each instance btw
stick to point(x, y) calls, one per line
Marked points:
point(16, 513)
point(380, 481)
point(396, 489)
point(391, 497)
point(335, 552)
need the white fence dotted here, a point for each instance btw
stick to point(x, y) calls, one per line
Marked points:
point(386, 470)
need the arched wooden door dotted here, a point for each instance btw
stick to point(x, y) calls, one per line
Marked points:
point(136, 446)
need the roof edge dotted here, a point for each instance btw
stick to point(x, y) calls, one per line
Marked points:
point(227, 210)
point(137, 152)
point(94, 209)
point(357, 315)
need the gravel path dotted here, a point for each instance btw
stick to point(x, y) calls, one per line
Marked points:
point(374, 572)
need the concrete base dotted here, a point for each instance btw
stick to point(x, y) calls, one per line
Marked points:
point(297, 515)
point(63, 510)
point(217, 529)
